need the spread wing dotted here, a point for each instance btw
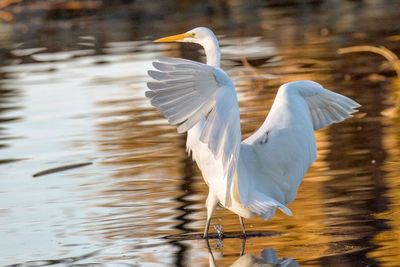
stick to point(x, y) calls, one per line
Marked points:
point(279, 153)
point(187, 92)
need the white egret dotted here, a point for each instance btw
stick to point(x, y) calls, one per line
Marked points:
point(262, 173)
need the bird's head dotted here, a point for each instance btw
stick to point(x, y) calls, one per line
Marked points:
point(199, 35)
point(202, 36)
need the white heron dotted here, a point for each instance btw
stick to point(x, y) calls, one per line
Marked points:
point(262, 173)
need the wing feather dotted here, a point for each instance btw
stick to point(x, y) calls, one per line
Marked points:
point(166, 95)
point(174, 99)
point(276, 156)
point(195, 117)
point(327, 107)
point(187, 92)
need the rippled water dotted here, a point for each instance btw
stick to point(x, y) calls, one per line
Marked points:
point(73, 92)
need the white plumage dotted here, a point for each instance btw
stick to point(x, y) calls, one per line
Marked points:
point(262, 173)
point(192, 94)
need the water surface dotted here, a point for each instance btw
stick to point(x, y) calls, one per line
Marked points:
point(72, 91)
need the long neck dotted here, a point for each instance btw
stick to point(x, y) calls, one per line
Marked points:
point(212, 51)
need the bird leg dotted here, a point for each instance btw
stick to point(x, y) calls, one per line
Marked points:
point(211, 258)
point(243, 247)
point(242, 226)
point(211, 204)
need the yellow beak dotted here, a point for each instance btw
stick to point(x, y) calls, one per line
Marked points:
point(172, 38)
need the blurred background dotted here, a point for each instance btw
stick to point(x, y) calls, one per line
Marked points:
point(72, 83)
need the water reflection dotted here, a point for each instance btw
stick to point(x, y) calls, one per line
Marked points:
point(68, 260)
point(73, 91)
point(268, 257)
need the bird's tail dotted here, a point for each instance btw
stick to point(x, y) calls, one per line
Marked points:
point(265, 206)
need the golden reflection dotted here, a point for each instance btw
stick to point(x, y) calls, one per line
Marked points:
point(387, 251)
point(155, 180)
point(145, 188)
point(152, 171)
point(147, 171)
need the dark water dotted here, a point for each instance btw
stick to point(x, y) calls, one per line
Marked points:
point(72, 91)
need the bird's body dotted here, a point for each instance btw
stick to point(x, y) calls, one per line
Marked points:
point(262, 173)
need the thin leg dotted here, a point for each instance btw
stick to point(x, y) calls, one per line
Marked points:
point(243, 247)
point(242, 226)
point(205, 235)
point(212, 202)
point(211, 258)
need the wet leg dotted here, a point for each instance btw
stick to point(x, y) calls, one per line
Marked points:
point(242, 226)
point(212, 202)
point(243, 246)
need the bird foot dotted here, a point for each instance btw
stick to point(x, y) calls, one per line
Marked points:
point(220, 231)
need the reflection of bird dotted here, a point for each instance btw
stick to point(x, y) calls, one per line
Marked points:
point(268, 258)
point(262, 173)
